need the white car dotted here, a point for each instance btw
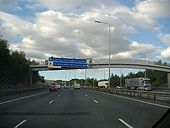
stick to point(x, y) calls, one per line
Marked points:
point(58, 86)
point(119, 87)
point(76, 86)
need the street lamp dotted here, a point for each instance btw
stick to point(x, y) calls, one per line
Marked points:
point(85, 77)
point(100, 22)
point(144, 55)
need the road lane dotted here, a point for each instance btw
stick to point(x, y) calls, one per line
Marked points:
point(21, 98)
point(13, 112)
point(138, 114)
point(19, 95)
point(78, 108)
point(73, 110)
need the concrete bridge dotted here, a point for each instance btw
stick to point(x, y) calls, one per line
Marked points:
point(114, 63)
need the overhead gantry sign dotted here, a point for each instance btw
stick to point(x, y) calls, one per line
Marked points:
point(67, 63)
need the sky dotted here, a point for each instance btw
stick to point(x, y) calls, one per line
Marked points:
point(66, 28)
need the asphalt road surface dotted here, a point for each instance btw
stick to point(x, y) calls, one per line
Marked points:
point(70, 108)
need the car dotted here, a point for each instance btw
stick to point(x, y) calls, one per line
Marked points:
point(58, 86)
point(53, 87)
point(119, 87)
point(65, 87)
point(76, 86)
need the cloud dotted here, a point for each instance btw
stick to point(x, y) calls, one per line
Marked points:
point(166, 54)
point(137, 49)
point(75, 5)
point(53, 32)
point(56, 33)
point(165, 38)
point(7, 4)
point(135, 19)
point(14, 25)
point(60, 4)
point(126, 16)
point(142, 48)
point(142, 15)
point(154, 8)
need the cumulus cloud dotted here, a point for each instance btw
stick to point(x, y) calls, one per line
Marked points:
point(137, 49)
point(166, 53)
point(14, 25)
point(135, 19)
point(53, 4)
point(12, 4)
point(154, 8)
point(65, 34)
point(165, 38)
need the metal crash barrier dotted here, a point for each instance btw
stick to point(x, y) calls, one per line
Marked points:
point(150, 95)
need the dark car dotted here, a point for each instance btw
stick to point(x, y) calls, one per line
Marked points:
point(53, 88)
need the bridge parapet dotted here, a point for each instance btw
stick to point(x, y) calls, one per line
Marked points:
point(121, 61)
point(113, 61)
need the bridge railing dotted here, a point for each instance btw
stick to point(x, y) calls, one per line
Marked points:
point(121, 61)
point(113, 61)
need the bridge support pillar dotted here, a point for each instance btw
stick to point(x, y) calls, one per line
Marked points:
point(168, 79)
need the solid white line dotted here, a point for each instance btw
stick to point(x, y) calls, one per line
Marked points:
point(125, 123)
point(8, 101)
point(51, 102)
point(22, 122)
point(95, 101)
point(145, 102)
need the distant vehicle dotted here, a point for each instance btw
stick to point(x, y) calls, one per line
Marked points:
point(76, 86)
point(103, 84)
point(65, 86)
point(138, 83)
point(53, 87)
point(58, 86)
point(119, 87)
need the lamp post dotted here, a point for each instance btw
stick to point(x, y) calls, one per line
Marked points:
point(85, 77)
point(100, 22)
point(145, 63)
point(120, 78)
point(144, 56)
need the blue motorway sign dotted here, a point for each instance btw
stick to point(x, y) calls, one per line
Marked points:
point(67, 60)
point(69, 63)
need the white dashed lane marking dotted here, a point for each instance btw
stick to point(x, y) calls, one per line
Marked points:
point(95, 101)
point(21, 123)
point(127, 125)
point(51, 102)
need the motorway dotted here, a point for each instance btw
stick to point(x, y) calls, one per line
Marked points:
point(70, 108)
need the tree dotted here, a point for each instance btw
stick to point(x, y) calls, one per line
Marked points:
point(14, 67)
point(4, 60)
point(33, 62)
point(158, 78)
point(19, 67)
point(114, 80)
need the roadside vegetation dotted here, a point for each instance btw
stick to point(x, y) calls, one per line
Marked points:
point(14, 68)
point(158, 78)
point(15, 72)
